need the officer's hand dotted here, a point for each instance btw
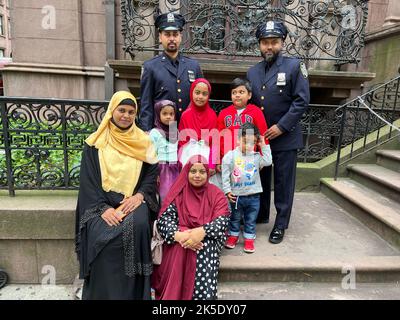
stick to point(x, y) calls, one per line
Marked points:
point(273, 132)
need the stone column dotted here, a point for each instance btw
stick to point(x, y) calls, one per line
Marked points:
point(392, 13)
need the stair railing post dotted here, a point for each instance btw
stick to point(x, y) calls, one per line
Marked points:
point(339, 145)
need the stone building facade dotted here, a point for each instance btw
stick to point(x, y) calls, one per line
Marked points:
point(74, 49)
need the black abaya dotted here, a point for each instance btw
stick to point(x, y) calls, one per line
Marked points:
point(115, 261)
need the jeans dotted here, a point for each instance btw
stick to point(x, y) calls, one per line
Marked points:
point(248, 207)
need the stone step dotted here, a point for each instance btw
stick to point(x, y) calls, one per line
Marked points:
point(309, 269)
point(377, 212)
point(390, 159)
point(307, 291)
point(380, 179)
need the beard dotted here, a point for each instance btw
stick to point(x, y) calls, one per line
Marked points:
point(174, 48)
point(269, 57)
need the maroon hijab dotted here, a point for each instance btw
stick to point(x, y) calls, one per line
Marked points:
point(196, 206)
point(174, 278)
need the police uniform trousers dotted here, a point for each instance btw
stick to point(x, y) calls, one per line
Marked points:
point(284, 167)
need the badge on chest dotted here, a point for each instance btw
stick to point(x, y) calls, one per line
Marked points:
point(281, 79)
point(191, 76)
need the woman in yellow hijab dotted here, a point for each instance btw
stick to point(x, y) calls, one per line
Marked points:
point(118, 170)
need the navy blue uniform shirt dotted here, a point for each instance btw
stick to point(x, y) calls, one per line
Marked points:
point(282, 92)
point(164, 79)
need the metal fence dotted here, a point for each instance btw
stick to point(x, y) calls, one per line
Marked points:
point(41, 139)
point(370, 112)
point(318, 29)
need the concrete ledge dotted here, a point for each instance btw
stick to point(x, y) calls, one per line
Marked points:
point(31, 261)
point(308, 269)
point(38, 215)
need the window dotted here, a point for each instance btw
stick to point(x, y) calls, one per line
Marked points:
point(2, 53)
point(1, 26)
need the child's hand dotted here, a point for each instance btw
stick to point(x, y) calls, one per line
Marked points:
point(212, 172)
point(261, 141)
point(231, 197)
point(218, 168)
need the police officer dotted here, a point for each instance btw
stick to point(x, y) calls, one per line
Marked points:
point(169, 75)
point(280, 88)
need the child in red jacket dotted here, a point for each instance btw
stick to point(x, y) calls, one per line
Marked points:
point(231, 118)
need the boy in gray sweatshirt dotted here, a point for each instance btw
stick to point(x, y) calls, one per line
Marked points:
point(242, 185)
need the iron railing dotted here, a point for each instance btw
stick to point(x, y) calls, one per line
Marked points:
point(360, 116)
point(41, 139)
point(318, 29)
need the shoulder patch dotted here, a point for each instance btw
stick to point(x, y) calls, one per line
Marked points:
point(303, 70)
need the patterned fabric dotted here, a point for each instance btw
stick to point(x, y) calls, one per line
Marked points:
point(207, 262)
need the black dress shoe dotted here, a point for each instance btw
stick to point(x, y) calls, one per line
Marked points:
point(276, 235)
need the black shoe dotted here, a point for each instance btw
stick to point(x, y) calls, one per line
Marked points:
point(276, 235)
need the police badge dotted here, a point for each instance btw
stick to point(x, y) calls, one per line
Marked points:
point(170, 18)
point(191, 76)
point(270, 25)
point(281, 79)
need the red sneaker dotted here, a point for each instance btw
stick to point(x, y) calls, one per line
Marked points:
point(231, 242)
point(249, 246)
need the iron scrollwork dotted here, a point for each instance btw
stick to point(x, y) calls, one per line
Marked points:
point(318, 29)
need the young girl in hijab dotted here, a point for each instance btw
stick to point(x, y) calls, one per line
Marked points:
point(193, 222)
point(165, 139)
point(198, 118)
point(118, 166)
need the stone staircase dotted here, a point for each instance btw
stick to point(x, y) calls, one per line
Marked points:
point(354, 224)
point(371, 193)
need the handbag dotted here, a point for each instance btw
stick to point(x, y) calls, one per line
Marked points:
point(156, 245)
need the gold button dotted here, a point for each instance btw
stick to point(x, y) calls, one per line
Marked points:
point(179, 90)
point(180, 109)
point(262, 97)
point(263, 87)
point(179, 100)
point(262, 108)
point(178, 81)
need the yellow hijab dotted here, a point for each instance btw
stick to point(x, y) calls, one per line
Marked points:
point(121, 152)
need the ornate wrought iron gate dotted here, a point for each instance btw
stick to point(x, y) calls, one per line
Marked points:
point(318, 29)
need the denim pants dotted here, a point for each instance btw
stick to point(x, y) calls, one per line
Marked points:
point(248, 207)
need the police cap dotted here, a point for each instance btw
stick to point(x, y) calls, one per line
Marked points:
point(271, 29)
point(170, 21)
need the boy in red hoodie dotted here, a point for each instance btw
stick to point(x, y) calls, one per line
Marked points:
point(231, 118)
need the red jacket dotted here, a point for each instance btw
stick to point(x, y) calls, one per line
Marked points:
point(229, 119)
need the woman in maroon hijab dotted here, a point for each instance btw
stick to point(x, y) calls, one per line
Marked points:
point(193, 222)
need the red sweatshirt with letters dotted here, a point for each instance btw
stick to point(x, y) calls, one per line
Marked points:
point(229, 122)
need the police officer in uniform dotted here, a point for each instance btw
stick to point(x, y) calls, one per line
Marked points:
point(169, 75)
point(280, 88)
